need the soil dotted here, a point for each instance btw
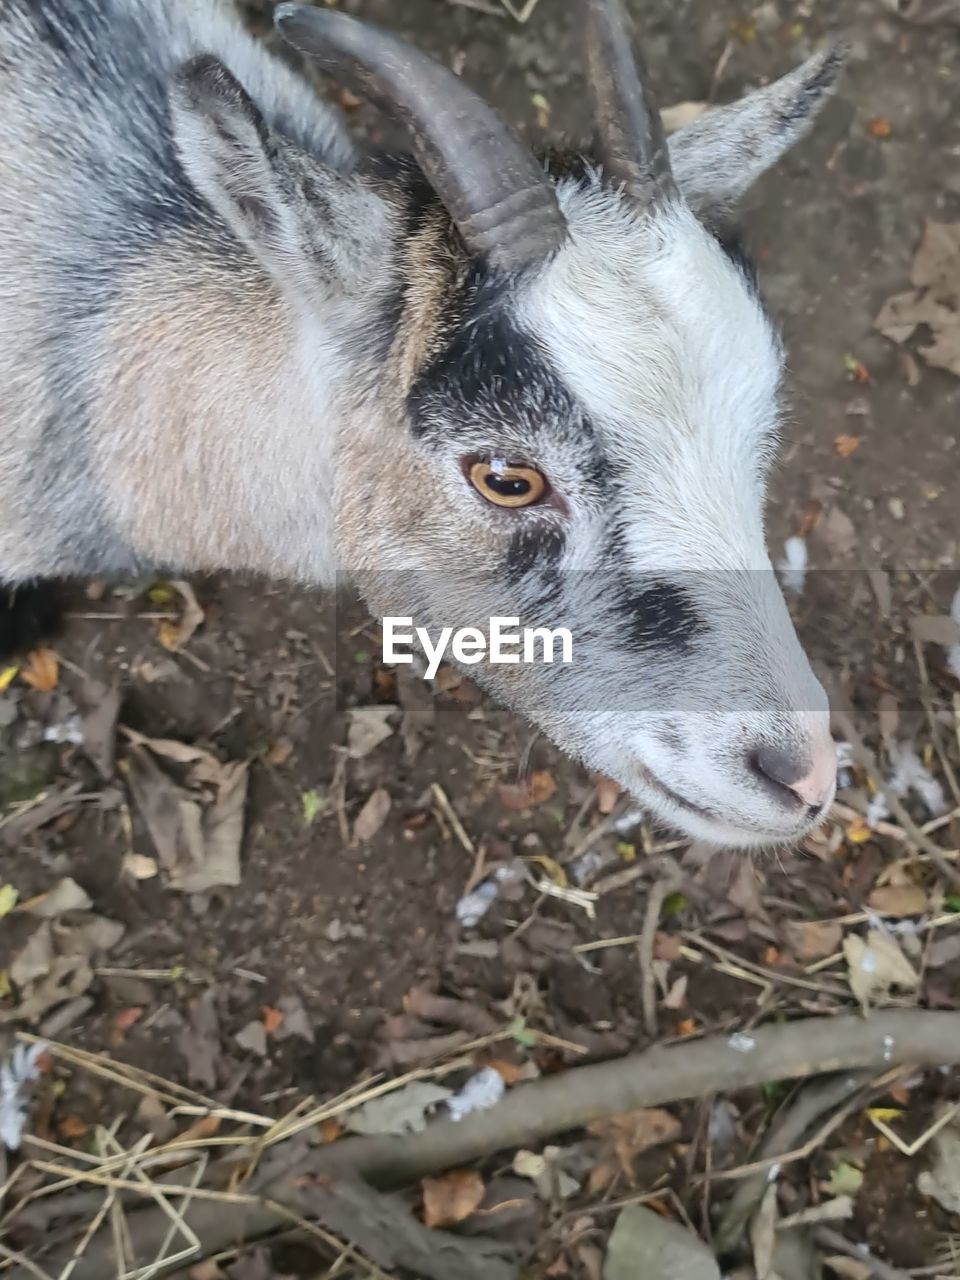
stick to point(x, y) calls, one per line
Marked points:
point(350, 926)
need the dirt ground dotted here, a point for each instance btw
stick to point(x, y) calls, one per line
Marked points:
point(349, 926)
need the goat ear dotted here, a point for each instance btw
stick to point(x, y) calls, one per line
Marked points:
point(299, 218)
point(719, 156)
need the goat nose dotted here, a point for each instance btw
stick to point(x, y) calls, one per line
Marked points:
point(792, 771)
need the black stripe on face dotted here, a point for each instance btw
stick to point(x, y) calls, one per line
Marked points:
point(534, 547)
point(657, 615)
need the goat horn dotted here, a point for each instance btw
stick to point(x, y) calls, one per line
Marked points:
point(633, 144)
point(491, 185)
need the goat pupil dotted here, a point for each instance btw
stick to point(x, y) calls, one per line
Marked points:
point(508, 486)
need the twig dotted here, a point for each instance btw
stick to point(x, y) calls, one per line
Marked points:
point(443, 803)
point(868, 761)
point(533, 1112)
point(830, 1239)
point(789, 1128)
point(936, 735)
point(658, 892)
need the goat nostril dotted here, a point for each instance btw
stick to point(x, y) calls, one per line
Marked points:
point(785, 771)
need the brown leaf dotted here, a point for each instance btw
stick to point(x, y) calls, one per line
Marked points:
point(174, 635)
point(41, 671)
point(373, 815)
point(72, 1127)
point(451, 1198)
point(899, 900)
point(608, 793)
point(813, 939)
point(272, 1019)
point(844, 445)
point(127, 1018)
point(879, 127)
point(633, 1132)
point(534, 790)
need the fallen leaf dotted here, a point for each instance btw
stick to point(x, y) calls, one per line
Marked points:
point(174, 635)
point(280, 752)
point(369, 726)
point(935, 300)
point(452, 1198)
point(812, 939)
point(836, 531)
point(633, 1132)
point(127, 1018)
point(899, 900)
point(530, 793)
point(608, 793)
point(848, 1268)
point(34, 959)
point(876, 965)
point(8, 899)
point(272, 1020)
point(844, 445)
point(140, 867)
point(644, 1244)
point(66, 895)
point(72, 1126)
point(879, 127)
point(67, 978)
point(100, 727)
point(676, 997)
point(763, 1233)
point(253, 1037)
point(7, 677)
point(221, 832)
point(547, 1174)
point(313, 804)
point(857, 370)
point(295, 1020)
point(41, 671)
point(399, 1112)
point(373, 815)
point(845, 1180)
point(199, 1041)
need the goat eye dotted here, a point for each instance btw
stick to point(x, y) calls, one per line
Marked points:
point(507, 486)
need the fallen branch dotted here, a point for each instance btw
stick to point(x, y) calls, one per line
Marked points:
point(533, 1112)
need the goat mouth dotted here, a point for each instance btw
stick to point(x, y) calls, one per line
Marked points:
point(654, 783)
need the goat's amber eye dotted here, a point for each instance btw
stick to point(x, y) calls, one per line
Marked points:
point(507, 486)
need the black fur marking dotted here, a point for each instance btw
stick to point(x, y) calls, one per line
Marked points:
point(731, 241)
point(658, 615)
point(534, 547)
point(29, 615)
point(806, 101)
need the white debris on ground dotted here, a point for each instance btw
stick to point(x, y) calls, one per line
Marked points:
point(16, 1076)
point(473, 906)
point(792, 566)
point(480, 1093)
point(953, 653)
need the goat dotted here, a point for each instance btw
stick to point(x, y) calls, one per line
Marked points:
point(474, 381)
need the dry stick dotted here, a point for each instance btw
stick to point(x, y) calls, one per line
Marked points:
point(945, 765)
point(531, 1113)
point(789, 1128)
point(658, 892)
point(865, 757)
point(833, 1240)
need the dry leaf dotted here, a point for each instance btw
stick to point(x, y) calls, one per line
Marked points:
point(935, 301)
point(402, 1111)
point(369, 726)
point(72, 1127)
point(452, 1198)
point(646, 1246)
point(879, 127)
point(174, 635)
point(140, 867)
point(127, 1018)
point(608, 793)
point(272, 1020)
point(253, 1037)
point(813, 940)
point(844, 445)
point(373, 815)
point(763, 1233)
point(41, 671)
point(66, 895)
point(534, 790)
point(876, 965)
point(633, 1132)
point(899, 900)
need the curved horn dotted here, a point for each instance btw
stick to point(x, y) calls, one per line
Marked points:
point(632, 141)
point(491, 185)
